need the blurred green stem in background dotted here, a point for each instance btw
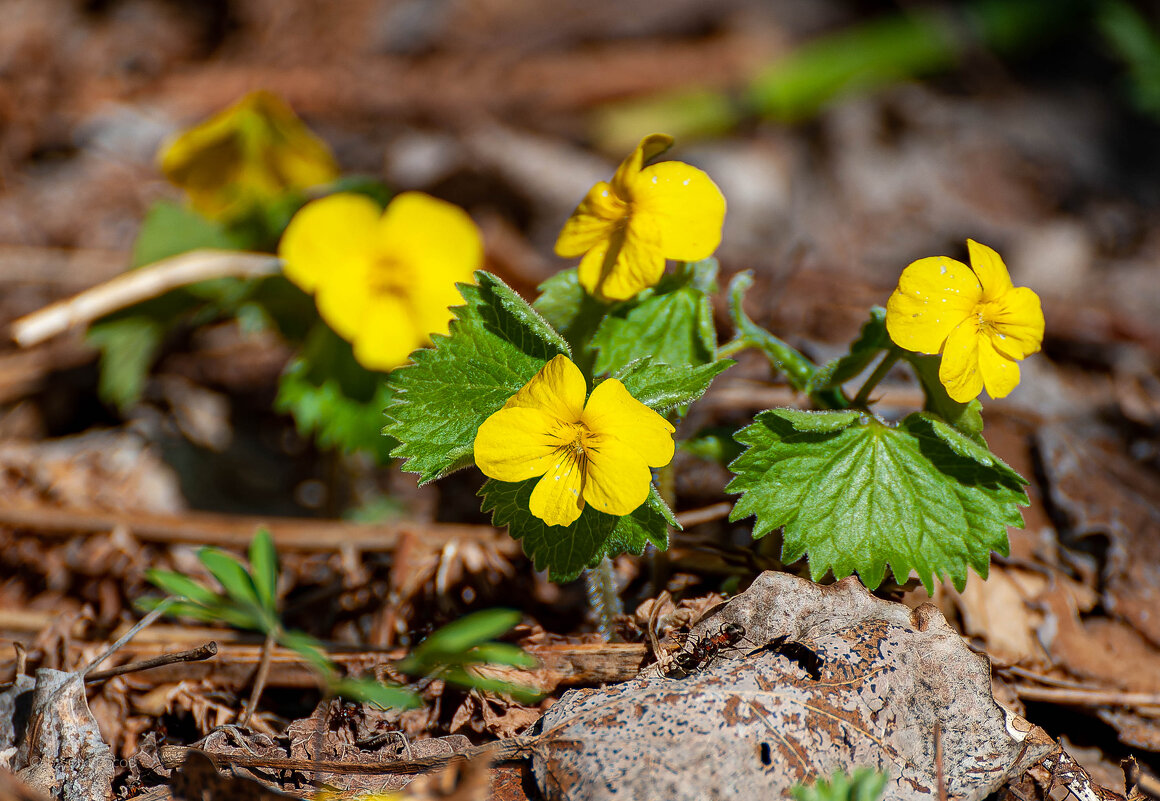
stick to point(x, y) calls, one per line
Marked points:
point(855, 60)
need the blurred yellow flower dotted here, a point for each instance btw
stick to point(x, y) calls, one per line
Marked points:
point(599, 453)
point(382, 280)
point(245, 156)
point(973, 316)
point(625, 230)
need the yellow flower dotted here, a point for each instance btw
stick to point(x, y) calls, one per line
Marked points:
point(382, 280)
point(980, 323)
point(599, 453)
point(242, 158)
point(626, 229)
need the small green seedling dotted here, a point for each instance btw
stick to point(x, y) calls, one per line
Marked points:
point(864, 785)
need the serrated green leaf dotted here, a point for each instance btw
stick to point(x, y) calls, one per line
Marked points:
point(872, 339)
point(128, 347)
point(264, 569)
point(572, 312)
point(497, 343)
point(566, 550)
point(169, 229)
point(966, 417)
point(663, 387)
point(334, 419)
point(673, 324)
point(857, 495)
point(370, 691)
point(658, 505)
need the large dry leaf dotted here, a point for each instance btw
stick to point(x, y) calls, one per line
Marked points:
point(855, 682)
point(62, 753)
point(1103, 493)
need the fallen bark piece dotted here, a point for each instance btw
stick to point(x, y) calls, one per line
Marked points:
point(62, 753)
point(822, 679)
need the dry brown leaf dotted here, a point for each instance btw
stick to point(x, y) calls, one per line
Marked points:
point(857, 682)
point(61, 752)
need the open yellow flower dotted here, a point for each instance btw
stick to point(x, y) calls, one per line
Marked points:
point(245, 156)
point(384, 281)
point(599, 453)
point(973, 316)
point(625, 230)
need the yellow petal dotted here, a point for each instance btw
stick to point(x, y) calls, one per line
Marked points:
point(617, 478)
point(514, 444)
point(959, 371)
point(933, 296)
point(992, 273)
point(557, 497)
point(649, 148)
point(631, 263)
point(298, 157)
point(1017, 318)
point(557, 390)
point(386, 333)
point(436, 245)
point(612, 414)
point(684, 206)
point(1000, 374)
point(592, 222)
point(326, 236)
point(343, 297)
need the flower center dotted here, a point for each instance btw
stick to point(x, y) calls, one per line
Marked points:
point(389, 276)
point(573, 439)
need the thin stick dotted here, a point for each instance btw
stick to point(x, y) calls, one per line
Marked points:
point(192, 655)
point(1074, 697)
point(207, 528)
point(500, 750)
point(694, 517)
point(259, 680)
point(128, 635)
point(138, 285)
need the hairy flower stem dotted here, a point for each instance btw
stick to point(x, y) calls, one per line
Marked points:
point(863, 396)
point(604, 597)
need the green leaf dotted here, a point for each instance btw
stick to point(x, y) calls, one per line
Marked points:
point(673, 324)
point(525, 695)
point(264, 569)
point(858, 495)
point(232, 575)
point(872, 340)
point(128, 347)
point(309, 649)
point(223, 613)
point(566, 550)
point(334, 419)
point(715, 444)
point(501, 653)
point(966, 417)
point(181, 586)
point(663, 388)
point(496, 344)
point(865, 785)
point(464, 634)
point(170, 229)
point(572, 312)
point(370, 691)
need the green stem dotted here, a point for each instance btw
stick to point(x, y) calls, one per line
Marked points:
point(603, 597)
point(863, 396)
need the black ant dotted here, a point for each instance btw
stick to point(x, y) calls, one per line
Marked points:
point(802, 655)
point(705, 649)
point(347, 714)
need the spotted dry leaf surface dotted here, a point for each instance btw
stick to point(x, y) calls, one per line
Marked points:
point(856, 682)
